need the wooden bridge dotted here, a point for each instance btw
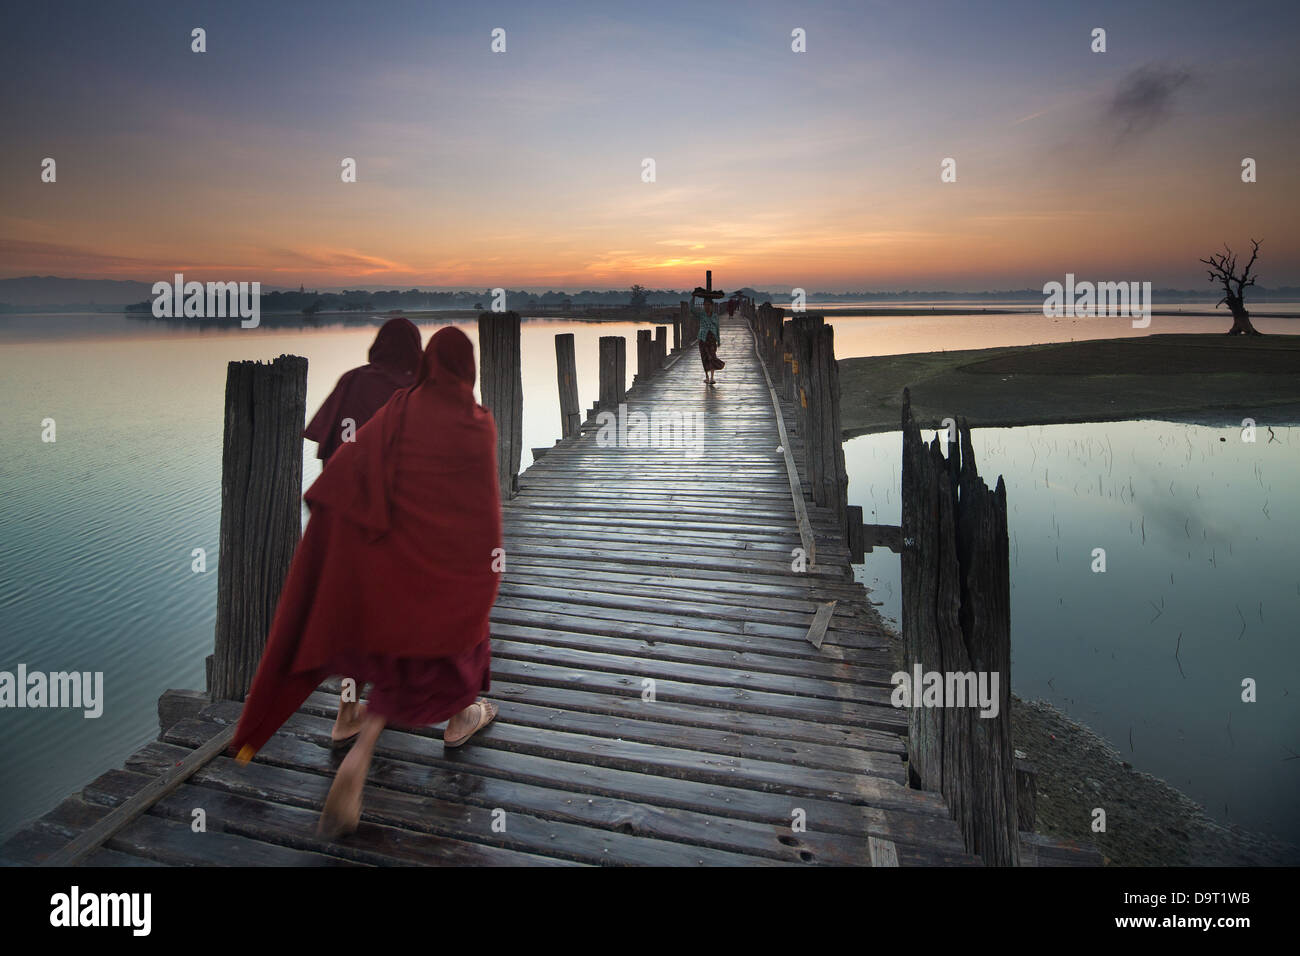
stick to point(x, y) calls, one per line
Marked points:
point(680, 683)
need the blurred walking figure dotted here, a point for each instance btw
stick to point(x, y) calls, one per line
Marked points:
point(708, 341)
point(394, 360)
point(393, 581)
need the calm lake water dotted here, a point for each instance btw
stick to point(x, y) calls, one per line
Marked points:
point(1201, 590)
point(97, 530)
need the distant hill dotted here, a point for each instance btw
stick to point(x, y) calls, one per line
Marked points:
point(48, 291)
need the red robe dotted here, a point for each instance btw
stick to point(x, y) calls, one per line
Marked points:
point(394, 578)
point(360, 392)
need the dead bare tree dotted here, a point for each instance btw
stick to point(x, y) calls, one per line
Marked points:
point(1223, 269)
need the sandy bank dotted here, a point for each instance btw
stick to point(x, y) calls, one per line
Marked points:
point(1101, 380)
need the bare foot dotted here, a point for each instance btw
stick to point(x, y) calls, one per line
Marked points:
point(468, 722)
point(348, 722)
point(342, 813)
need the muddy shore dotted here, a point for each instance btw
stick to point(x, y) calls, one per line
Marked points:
point(1148, 822)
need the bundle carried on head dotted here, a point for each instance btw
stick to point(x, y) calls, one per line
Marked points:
point(703, 293)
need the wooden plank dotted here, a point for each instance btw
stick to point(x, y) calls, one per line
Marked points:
point(427, 813)
point(886, 535)
point(156, 790)
point(636, 722)
point(792, 735)
point(850, 713)
point(796, 488)
point(820, 621)
point(885, 819)
point(883, 852)
point(274, 831)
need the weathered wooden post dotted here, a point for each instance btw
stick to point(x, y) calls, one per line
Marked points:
point(677, 332)
point(776, 329)
point(983, 552)
point(929, 557)
point(834, 475)
point(784, 379)
point(661, 346)
point(261, 512)
point(957, 622)
point(613, 371)
point(566, 374)
point(502, 389)
point(644, 353)
point(806, 406)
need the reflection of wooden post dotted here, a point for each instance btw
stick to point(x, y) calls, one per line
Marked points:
point(661, 346)
point(613, 371)
point(501, 385)
point(261, 513)
point(566, 373)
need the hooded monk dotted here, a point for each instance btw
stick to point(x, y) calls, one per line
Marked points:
point(394, 363)
point(393, 581)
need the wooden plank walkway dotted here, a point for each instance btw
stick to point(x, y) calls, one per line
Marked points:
point(624, 565)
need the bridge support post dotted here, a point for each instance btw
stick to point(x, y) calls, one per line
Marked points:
point(566, 374)
point(957, 620)
point(502, 389)
point(613, 372)
point(644, 354)
point(261, 512)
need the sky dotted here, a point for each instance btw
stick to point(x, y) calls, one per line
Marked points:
point(524, 169)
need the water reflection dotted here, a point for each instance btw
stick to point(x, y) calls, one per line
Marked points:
point(1201, 591)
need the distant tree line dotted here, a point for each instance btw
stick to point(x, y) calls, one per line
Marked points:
point(638, 297)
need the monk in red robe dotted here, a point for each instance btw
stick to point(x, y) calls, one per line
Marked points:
point(395, 576)
point(393, 363)
point(394, 360)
